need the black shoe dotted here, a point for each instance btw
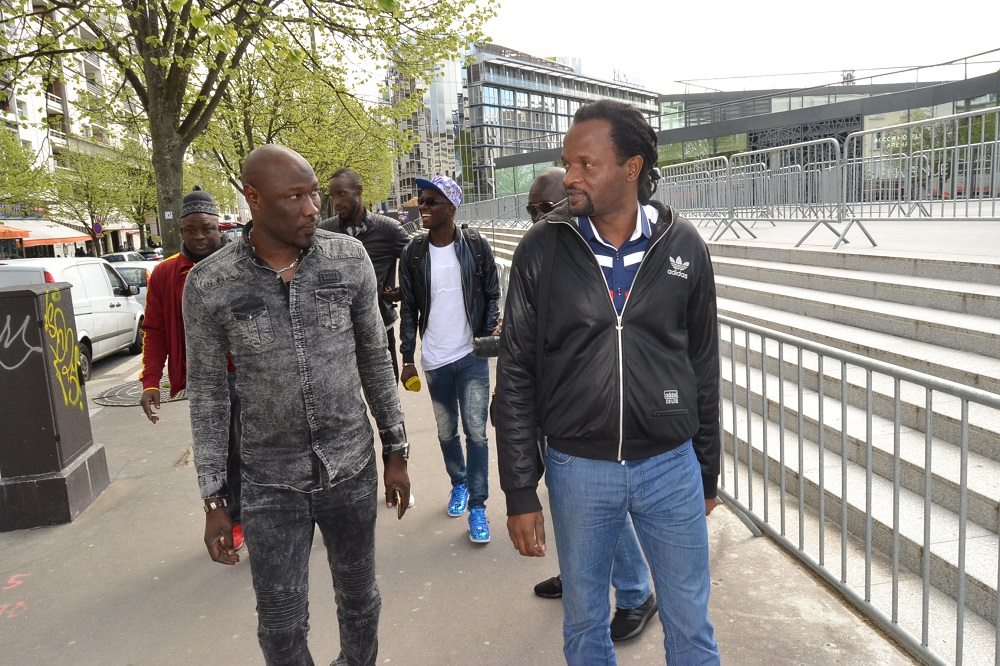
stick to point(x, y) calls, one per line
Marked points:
point(629, 622)
point(550, 589)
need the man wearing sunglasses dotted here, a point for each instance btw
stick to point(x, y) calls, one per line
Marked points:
point(635, 603)
point(451, 295)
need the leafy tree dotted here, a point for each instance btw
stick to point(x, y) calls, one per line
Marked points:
point(177, 58)
point(330, 129)
point(87, 188)
point(205, 172)
point(137, 201)
point(21, 180)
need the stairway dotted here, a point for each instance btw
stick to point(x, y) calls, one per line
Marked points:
point(930, 315)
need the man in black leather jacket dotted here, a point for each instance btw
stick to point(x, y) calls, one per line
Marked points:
point(626, 393)
point(451, 294)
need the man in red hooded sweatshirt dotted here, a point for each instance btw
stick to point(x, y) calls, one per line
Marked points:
point(163, 328)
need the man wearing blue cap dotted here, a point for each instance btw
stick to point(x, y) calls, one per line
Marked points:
point(451, 294)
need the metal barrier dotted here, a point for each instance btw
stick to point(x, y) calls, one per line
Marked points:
point(943, 168)
point(946, 168)
point(828, 452)
point(699, 188)
point(800, 181)
point(505, 212)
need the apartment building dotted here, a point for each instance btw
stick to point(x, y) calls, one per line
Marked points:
point(502, 102)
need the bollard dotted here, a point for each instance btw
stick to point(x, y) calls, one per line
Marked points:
point(50, 467)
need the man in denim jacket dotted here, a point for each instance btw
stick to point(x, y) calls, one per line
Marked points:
point(297, 308)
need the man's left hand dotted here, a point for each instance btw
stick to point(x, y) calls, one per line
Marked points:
point(396, 480)
point(219, 536)
point(391, 295)
point(710, 504)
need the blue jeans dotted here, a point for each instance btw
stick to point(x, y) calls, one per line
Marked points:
point(279, 526)
point(591, 501)
point(629, 575)
point(463, 387)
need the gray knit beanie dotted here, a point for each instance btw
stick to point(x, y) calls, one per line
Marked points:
point(199, 201)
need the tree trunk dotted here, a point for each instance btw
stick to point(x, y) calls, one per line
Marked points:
point(168, 167)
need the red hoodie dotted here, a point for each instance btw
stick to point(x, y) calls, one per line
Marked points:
point(163, 326)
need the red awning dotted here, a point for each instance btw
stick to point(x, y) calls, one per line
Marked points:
point(11, 232)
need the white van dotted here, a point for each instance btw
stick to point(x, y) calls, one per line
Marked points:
point(108, 316)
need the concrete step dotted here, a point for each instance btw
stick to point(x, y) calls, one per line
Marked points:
point(971, 369)
point(829, 484)
point(944, 295)
point(945, 267)
point(823, 421)
point(945, 409)
point(971, 333)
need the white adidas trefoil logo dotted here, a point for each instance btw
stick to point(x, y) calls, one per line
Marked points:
point(679, 267)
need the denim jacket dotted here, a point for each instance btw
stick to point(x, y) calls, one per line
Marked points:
point(304, 354)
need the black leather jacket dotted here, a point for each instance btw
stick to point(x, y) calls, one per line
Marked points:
point(481, 292)
point(611, 388)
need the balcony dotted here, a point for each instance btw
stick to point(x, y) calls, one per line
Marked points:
point(93, 87)
point(54, 102)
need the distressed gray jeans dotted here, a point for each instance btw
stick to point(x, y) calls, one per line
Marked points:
point(279, 526)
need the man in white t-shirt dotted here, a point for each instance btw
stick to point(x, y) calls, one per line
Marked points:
point(451, 295)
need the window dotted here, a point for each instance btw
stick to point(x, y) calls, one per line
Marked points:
point(562, 106)
point(506, 97)
point(522, 100)
point(490, 95)
point(536, 101)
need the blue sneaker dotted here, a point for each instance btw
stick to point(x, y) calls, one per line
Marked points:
point(479, 526)
point(459, 500)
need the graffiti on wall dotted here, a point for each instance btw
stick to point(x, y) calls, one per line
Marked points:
point(14, 346)
point(63, 347)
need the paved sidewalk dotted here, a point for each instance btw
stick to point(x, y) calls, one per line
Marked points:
point(129, 582)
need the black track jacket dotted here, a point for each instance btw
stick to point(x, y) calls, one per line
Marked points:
point(610, 388)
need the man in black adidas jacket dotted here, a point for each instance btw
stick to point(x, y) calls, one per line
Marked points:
point(626, 392)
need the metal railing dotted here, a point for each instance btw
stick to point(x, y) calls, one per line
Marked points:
point(942, 168)
point(699, 188)
point(855, 466)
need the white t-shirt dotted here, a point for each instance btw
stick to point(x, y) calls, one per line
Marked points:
point(448, 336)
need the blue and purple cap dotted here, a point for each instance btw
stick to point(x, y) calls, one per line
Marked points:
point(445, 185)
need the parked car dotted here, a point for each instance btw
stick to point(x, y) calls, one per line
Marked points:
point(137, 273)
point(152, 254)
point(108, 316)
point(115, 257)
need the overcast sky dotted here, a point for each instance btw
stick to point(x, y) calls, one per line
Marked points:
point(658, 43)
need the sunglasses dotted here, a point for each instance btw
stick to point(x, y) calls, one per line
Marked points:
point(430, 202)
point(545, 207)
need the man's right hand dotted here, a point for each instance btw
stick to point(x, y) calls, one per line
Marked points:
point(409, 370)
point(219, 536)
point(150, 402)
point(527, 532)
